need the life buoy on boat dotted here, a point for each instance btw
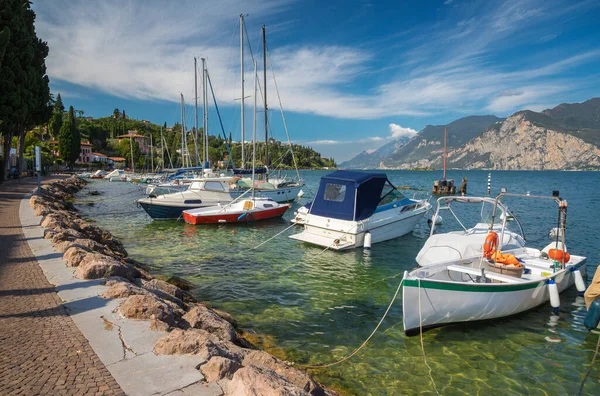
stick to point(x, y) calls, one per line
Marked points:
point(490, 244)
point(559, 255)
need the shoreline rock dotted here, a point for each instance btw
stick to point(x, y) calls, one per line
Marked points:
point(192, 328)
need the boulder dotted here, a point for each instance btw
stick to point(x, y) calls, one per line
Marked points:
point(294, 376)
point(74, 255)
point(162, 289)
point(177, 281)
point(123, 289)
point(226, 316)
point(113, 280)
point(258, 381)
point(65, 234)
point(95, 265)
point(201, 317)
point(157, 284)
point(146, 306)
point(158, 325)
point(219, 367)
point(197, 342)
point(41, 210)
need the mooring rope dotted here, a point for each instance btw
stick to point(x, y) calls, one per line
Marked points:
point(273, 237)
point(590, 369)
point(421, 336)
point(366, 341)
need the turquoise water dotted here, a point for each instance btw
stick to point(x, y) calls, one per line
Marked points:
point(314, 307)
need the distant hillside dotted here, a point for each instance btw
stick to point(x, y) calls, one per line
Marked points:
point(565, 137)
point(373, 159)
point(426, 148)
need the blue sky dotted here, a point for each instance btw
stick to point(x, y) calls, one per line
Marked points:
point(352, 74)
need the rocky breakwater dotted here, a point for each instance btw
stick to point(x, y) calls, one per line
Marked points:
point(191, 328)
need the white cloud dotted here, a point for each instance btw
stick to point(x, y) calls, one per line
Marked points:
point(146, 52)
point(397, 131)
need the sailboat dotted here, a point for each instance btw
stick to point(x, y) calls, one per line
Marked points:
point(240, 210)
point(444, 186)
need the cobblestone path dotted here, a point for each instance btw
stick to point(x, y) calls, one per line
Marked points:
point(42, 352)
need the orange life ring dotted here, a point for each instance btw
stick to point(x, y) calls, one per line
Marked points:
point(559, 255)
point(490, 244)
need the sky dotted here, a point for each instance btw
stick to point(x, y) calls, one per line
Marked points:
point(348, 75)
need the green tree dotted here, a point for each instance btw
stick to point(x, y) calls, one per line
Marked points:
point(124, 149)
point(4, 37)
point(69, 140)
point(59, 107)
point(24, 92)
point(55, 124)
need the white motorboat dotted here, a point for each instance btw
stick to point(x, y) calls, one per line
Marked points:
point(350, 207)
point(461, 282)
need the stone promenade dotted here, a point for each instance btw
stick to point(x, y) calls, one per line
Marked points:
point(41, 349)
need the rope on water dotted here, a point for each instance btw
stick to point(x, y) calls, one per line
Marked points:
point(366, 341)
point(273, 237)
point(590, 369)
point(421, 336)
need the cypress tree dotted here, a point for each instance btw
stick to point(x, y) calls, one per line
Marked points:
point(58, 105)
point(69, 140)
point(24, 92)
point(4, 37)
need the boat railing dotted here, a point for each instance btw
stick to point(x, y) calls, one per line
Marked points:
point(562, 213)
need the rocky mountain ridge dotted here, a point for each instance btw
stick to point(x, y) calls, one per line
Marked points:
point(565, 137)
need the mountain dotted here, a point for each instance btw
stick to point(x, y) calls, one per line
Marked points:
point(426, 148)
point(373, 159)
point(564, 137)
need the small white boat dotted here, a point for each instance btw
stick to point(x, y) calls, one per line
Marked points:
point(468, 283)
point(117, 175)
point(350, 207)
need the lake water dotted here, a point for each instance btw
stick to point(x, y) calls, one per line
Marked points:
point(315, 307)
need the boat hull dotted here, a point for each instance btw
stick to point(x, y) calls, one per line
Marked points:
point(382, 226)
point(428, 303)
point(165, 212)
point(234, 217)
point(279, 195)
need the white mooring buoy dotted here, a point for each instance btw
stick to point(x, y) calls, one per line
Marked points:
point(554, 298)
point(579, 281)
point(367, 243)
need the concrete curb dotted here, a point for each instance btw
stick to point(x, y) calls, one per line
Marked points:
point(123, 345)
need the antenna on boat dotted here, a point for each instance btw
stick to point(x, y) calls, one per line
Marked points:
point(444, 153)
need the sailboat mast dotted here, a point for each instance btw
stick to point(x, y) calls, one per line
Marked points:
point(264, 37)
point(196, 108)
point(254, 132)
point(162, 148)
point(444, 153)
point(204, 115)
point(151, 153)
point(182, 136)
point(242, 81)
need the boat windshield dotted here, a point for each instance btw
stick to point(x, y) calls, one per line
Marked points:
point(389, 194)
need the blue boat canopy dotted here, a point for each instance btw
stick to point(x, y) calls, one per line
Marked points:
point(257, 171)
point(350, 195)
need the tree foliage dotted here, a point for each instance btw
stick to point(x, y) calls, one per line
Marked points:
point(24, 91)
point(69, 139)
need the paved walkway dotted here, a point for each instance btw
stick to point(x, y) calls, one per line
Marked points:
point(41, 349)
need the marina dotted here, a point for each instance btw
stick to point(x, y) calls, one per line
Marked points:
point(314, 307)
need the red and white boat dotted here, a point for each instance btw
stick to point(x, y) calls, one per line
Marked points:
point(238, 212)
